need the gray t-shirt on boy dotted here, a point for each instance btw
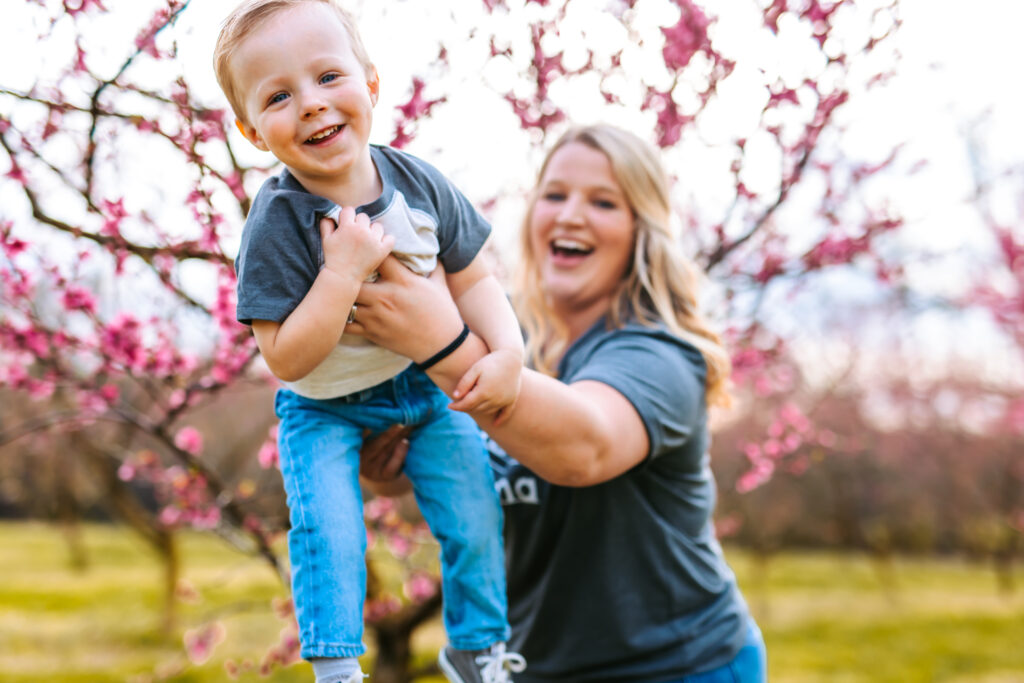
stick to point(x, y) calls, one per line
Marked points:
point(281, 255)
point(625, 580)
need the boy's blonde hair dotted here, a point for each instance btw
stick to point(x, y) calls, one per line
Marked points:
point(250, 15)
point(660, 285)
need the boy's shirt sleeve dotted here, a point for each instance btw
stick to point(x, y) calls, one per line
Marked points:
point(279, 257)
point(461, 230)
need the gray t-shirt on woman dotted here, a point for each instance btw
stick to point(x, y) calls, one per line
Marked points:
point(625, 580)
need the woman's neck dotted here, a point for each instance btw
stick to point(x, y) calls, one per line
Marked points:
point(579, 320)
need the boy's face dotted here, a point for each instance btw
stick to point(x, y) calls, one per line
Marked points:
point(308, 100)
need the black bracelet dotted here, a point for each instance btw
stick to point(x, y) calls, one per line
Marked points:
point(446, 351)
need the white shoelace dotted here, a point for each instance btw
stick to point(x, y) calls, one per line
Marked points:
point(498, 663)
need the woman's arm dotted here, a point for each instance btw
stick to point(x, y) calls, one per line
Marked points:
point(573, 435)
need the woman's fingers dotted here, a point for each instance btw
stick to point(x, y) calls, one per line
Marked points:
point(392, 269)
point(382, 456)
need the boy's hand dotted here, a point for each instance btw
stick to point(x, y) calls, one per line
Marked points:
point(356, 246)
point(491, 385)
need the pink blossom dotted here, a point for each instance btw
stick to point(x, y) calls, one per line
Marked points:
point(382, 607)
point(234, 182)
point(399, 546)
point(728, 526)
point(12, 246)
point(670, 121)
point(379, 507)
point(417, 106)
point(268, 455)
point(419, 587)
point(110, 393)
point(687, 37)
point(170, 516)
point(74, 7)
point(783, 94)
point(114, 213)
point(176, 398)
point(492, 4)
point(16, 173)
point(126, 472)
point(122, 340)
point(189, 440)
point(757, 475)
point(186, 591)
point(78, 299)
point(200, 642)
point(772, 14)
point(80, 65)
point(205, 518)
point(39, 390)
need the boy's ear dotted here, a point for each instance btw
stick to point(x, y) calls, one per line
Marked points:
point(373, 84)
point(251, 135)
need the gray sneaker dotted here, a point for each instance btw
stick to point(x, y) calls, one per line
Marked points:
point(480, 666)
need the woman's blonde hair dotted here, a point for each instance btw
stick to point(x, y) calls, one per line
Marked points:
point(660, 285)
point(250, 15)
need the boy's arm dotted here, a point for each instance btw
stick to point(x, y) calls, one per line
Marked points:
point(351, 252)
point(294, 347)
point(481, 300)
point(491, 385)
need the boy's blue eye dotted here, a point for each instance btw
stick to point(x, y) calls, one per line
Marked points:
point(327, 78)
point(604, 204)
point(554, 196)
point(278, 98)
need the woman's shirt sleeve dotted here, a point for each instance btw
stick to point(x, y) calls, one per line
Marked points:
point(661, 375)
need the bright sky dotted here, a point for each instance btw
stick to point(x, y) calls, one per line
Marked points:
point(953, 74)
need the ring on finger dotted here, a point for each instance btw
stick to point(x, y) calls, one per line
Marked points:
point(352, 315)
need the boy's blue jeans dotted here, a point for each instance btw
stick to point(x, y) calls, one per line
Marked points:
point(319, 444)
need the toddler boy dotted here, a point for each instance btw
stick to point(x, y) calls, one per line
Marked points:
point(303, 88)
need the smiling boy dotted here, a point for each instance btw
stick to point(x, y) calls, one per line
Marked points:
point(303, 88)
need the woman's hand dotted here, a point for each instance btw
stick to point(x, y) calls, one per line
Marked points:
point(411, 315)
point(382, 456)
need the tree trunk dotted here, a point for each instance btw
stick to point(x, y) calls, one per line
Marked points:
point(394, 652)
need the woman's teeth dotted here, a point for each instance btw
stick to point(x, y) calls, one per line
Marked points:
point(569, 247)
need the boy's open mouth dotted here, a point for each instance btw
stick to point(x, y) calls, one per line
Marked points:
point(325, 134)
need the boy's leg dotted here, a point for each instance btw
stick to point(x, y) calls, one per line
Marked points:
point(453, 484)
point(327, 541)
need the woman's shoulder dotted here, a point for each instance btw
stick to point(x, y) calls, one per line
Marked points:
point(652, 347)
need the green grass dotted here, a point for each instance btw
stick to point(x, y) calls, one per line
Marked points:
point(826, 617)
point(829, 617)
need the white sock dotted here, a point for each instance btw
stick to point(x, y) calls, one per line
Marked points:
point(335, 669)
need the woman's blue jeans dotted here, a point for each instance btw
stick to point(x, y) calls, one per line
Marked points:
point(750, 664)
point(319, 444)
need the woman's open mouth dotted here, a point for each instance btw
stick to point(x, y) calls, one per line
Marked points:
point(566, 251)
point(324, 135)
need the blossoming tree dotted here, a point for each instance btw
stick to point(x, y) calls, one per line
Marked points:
point(125, 188)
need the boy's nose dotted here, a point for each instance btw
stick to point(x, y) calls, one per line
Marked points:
point(313, 110)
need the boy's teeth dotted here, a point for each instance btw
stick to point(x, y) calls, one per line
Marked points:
point(321, 135)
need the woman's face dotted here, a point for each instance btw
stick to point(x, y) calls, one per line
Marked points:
point(581, 230)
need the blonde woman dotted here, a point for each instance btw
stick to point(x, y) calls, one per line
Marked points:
point(614, 572)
